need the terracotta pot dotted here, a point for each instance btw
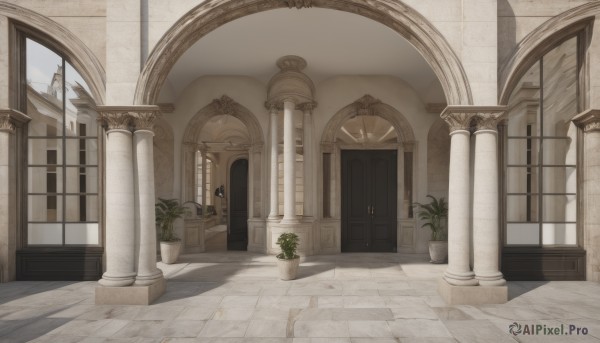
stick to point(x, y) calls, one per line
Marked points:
point(288, 269)
point(169, 251)
point(438, 251)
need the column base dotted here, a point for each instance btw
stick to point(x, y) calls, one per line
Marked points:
point(147, 280)
point(289, 221)
point(469, 295)
point(460, 279)
point(134, 295)
point(117, 281)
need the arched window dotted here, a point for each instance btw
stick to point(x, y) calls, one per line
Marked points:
point(62, 152)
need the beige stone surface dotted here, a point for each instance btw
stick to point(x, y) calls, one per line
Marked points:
point(133, 295)
point(472, 295)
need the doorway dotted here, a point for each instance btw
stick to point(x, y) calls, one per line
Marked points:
point(237, 234)
point(369, 200)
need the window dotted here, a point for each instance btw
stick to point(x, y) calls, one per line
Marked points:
point(62, 162)
point(541, 159)
point(205, 193)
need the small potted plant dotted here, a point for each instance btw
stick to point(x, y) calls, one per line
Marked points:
point(287, 260)
point(167, 211)
point(435, 214)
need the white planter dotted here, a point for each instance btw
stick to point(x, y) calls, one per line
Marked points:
point(169, 251)
point(438, 251)
point(288, 269)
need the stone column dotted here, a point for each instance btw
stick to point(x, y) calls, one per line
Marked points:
point(289, 163)
point(147, 273)
point(5, 89)
point(486, 233)
point(120, 209)
point(203, 184)
point(459, 272)
point(274, 198)
point(307, 128)
point(589, 122)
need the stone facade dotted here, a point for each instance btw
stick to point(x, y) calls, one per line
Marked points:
point(294, 126)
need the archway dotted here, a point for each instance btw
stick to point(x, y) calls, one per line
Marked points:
point(399, 17)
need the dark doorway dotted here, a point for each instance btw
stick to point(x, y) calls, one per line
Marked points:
point(237, 235)
point(369, 189)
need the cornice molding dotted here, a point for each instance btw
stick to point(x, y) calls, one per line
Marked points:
point(588, 121)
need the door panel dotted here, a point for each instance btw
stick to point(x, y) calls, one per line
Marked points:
point(237, 236)
point(369, 187)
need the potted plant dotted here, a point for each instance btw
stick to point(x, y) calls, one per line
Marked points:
point(167, 211)
point(287, 260)
point(435, 214)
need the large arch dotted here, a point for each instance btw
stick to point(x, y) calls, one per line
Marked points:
point(60, 39)
point(212, 14)
point(540, 41)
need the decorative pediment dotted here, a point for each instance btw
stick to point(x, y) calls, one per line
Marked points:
point(365, 105)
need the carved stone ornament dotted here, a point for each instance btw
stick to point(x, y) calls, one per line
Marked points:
point(273, 106)
point(588, 121)
point(487, 121)
point(225, 105)
point(458, 121)
point(115, 119)
point(365, 105)
point(144, 120)
point(298, 3)
point(6, 123)
point(307, 107)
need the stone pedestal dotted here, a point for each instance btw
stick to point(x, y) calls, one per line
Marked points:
point(460, 295)
point(134, 295)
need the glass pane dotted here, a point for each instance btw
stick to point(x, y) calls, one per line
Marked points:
point(45, 151)
point(522, 208)
point(523, 151)
point(82, 180)
point(560, 88)
point(560, 179)
point(44, 208)
point(523, 118)
point(560, 208)
point(84, 233)
point(522, 179)
point(82, 151)
point(522, 233)
point(558, 151)
point(82, 208)
point(44, 234)
point(80, 116)
point(367, 129)
point(45, 180)
point(559, 234)
point(44, 90)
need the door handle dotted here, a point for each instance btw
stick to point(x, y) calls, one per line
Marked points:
point(372, 210)
point(368, 209)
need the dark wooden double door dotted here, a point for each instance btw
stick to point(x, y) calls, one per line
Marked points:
point(237, 233)
point(369, 200)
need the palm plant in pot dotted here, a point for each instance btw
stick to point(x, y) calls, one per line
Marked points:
point(167, 211)
point(435, 215)
point(287, 260)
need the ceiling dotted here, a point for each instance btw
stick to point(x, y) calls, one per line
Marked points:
point(332, 42)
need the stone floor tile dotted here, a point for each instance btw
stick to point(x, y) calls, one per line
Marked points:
point(183, 328)
point(363, 314)
point(111, 312)
point(316, 288)
point(233, 313)
point(196, 313)
point(284, 302)
point(373, 340)
point(239, 301)
point(321, 329)
point(141, 328)
point(363, 302)
point(410, 307)
point(477, 331)
point(451, 313)
point(265, 328)
point(271, 314)
point(330, 301)
point(369, 329)
point(224, 328)
point(158, 312)
point(418, 328)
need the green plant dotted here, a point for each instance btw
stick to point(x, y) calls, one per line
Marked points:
point(167, 211)
point(433, 213)
point(288, 242)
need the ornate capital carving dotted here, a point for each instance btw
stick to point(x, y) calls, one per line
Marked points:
point(274, 106)
point(144, 120)
point(365, 105)
point(307, 107)
point(588, 121)
point(487, 121)
point(115, 120)
point(6, 124)
point(460, 117)
point(225, 105)
point(298, 3)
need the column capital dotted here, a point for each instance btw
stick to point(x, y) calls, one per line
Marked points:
point(307, 107)
point(274, 106)
point(460, 117)
point(144, 120)
point(124, 117)
point(588, 121)
point(10, 119)
point(487, 121)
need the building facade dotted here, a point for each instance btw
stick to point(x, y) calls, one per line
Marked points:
point(327, 118)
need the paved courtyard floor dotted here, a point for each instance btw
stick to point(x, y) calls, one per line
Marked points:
point(358, 298)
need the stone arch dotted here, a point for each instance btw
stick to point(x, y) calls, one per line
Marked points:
point(60, 39)
point(543, 39)
point(368, 105)
point(399, 17)
point(223, 105)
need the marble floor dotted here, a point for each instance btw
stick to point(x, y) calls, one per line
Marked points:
point(358, 298)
